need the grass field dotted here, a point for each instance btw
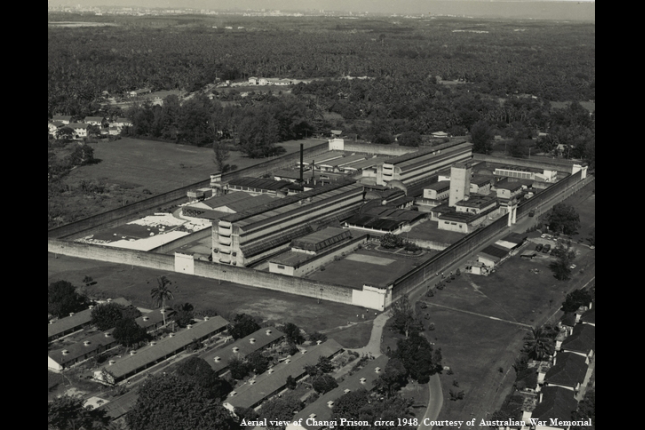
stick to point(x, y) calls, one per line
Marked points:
point(116, 280)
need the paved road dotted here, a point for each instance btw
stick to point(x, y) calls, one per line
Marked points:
point(479, 315)
point(435, 402)
point(373, 347)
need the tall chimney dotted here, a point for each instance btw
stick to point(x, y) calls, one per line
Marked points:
point(302, 150)
point(313, 172)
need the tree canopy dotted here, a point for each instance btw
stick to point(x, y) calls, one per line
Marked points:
point(575, 299)
point(68, 413)
point(62, 299)
point(280, 409)
point(196, 370)
point(243, 325)
point(418, 357)
point(323, 383)
point(105, 316)
point(128, 333)
point(292, 333)
point(403, 316)
point(170, 402)
point(564, 218)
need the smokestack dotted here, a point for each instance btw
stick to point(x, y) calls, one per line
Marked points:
point(313, 172)
point(302, 181)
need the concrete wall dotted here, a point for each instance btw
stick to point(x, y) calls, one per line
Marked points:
point(170, 246)
point(184, 263)
point(557, 164)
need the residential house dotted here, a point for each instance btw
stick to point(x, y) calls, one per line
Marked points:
point(589, 317)
point(556, 404)
point(65, 119)
point(259, 340)
point(94, 120)
point(253, 80)
point(491, 255)
point(568, 371)
point(79, 128)
point(582, 341)
point(122, 122)
point(52, 128)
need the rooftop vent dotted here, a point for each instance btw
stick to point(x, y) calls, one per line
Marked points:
point(217, 359)
point(377, 370)
point(111, 362)
point(134, 351)
point(330, 404)
point(347, 390)
point(312, 415)
point(51, 321)
point(189, 326)
point(206, 318)
point(87, 343)
point(303, 351)
point(107, 334)
point(318, 342)
point(171, 335)
point(163, 311)
point(236, 348)
point(287, 361)
point(153, 343)
point(363, 380)
point(71, 314)
point(91, 306)
point(268, 332)
point(252, 381)
point(146, 318)
point(109, 300)
point(65, 352)
point(233, 394)
point(270, 371)
point(252, 340)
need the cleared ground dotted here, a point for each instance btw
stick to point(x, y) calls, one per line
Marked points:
point(115, 280)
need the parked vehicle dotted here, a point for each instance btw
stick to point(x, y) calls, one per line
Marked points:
point(546, 248)
point(539, 247)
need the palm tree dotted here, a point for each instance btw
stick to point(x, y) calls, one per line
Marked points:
point(540, 342)
point(161, 294)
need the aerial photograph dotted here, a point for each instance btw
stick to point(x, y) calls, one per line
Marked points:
point(321, 214)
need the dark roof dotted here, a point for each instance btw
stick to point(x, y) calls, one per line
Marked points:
point(557, 403)
point(583, 339)
point(439, 186)
point(122, 405)
point(64, 324)
point(515, 238)
point(244, 348)
point(476, 201)
point(258, 247)
point(78, 349)
point(589, 316)
point(569, 370)
point(321, 239)
point(152, 318)
point(166, 346)
point(259, 183)
point(480, 180)
point(287, 173)
point(569, 319)
point(94, 118)
point(495, 251)
point(506, 185)
point(237, 200)
point(266, 384)
point(352, 383)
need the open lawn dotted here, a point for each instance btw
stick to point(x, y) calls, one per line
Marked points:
point(366, 267)
point(116, 280)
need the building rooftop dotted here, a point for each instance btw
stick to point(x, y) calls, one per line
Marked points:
point(495, 251)
point(480, 180)
point(321, 239)
point(166, 346)
point(259, 183)
point(83, 346)
point(76, 320)
point(557, 403)
point(589, 316)
point(424, 151)
point(439, 186)
point(475, 201)
point(569, 319)
point(250, 395)
point(505, 184)
point(241, 348)
point(569, 370)
point(122, 405)
point(235, 201)
point(362, 379)
point(583, 339)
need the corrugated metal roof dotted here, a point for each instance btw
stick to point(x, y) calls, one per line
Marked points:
point(78, 319)
point(166, 346)
point(267, 383)
point(259, 183)
point(412, 155)
point(557, 403)
point(121, 406)
point(244, 348)
point(321, 239)
point(79, 349)
point(352, 383)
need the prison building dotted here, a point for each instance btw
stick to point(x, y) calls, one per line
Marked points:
point(246, 236)
point(423, 163)
point(222, 205)
point(257, 186)
point(321, 158)
point(152, 321)
point(274, 380)
point(321, 409)
point(507, 190)
point(568, 371)
point(480, 184)
point(435, 194)
point(62, 358)
point(156, 352)
point(75, 321)
point(467, 215)
point(259, 340)
point(385, 219)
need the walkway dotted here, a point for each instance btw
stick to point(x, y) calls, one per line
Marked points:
point(479, 315)
point(373, 347)
point(435, 402)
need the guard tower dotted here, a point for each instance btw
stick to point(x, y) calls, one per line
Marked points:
point(460, 174)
